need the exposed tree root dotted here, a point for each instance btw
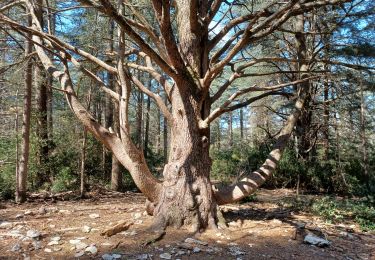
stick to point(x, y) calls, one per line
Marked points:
point(122, 226)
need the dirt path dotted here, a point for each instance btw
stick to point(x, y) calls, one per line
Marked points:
point(257, 230)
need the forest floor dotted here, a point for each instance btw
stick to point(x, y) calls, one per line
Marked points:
point(262, 229)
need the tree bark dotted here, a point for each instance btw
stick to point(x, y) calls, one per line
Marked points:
point(23, 168)
point(43, 171)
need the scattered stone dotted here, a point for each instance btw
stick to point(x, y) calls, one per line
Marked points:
point(316, 241)
point(35, 234)
point(236, 251)
point(79, 254)
point(94, 215)
point(81, 246)
point(276, 221)
point(195, 241)
point(56, 249)
point(181, 252)
point(165, 256)
point(235, 223)
point(196, 249)
point(64, 211)
point(138, 221)
point(53, 243)
point(111, 257)
point(37, 245)
point(18, 216)
point(74, 241)
point(213, 249)
point(16, 248)
point(346, 234)
point(48, 250)
point(42, 210)
point(28, 212)
point(52, 226)
point(92, 249)
point(5, 225)
point(142, 257)
point(136, 215)
point(57, 238)
point(86, 229)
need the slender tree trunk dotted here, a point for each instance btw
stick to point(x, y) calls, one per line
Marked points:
point(158, 132)
point(325, 120)
point(218, 134)
point(83, 165)
point(365, 164)
point(24, 160)
point(139, 122)
point(147, 125)
point(241, 124)
point(165, 135)
point(230, 129)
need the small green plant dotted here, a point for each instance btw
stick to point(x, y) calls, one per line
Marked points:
point(333, 210)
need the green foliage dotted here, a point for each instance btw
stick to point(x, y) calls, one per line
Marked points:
point(7, 167)
point(65, 180)
point(335, 211)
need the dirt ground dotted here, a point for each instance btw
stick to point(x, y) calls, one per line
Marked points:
point(257, 230)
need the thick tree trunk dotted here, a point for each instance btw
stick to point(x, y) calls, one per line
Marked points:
point(186, 197)
point(43, 172)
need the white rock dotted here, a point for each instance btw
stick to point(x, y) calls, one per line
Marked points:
point(57, 249)
point(86, 229)
point(196, 249)
point(57, 238)
point(181, 252)
point(276, 221)
point(316, 241)
point(42, 210)
point(94, 215)
point(116, 256)
point(5, 224)
point(79, 254)
point(28, 212)
point(92, 249)
point(53, 243)
point(195, 241)
point(137, 215)
point(235, 251)
point(107, 257)
point(81, 246)
point(48, 250)
point(37, 245)
point(165, 256)
point(19, 216)
point(142, 257)
point(74, 241)
point(33, 233)
point(16, 248)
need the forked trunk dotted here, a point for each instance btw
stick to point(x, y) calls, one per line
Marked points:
point(186, 197)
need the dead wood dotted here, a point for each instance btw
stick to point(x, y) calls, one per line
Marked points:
point(121, 226)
